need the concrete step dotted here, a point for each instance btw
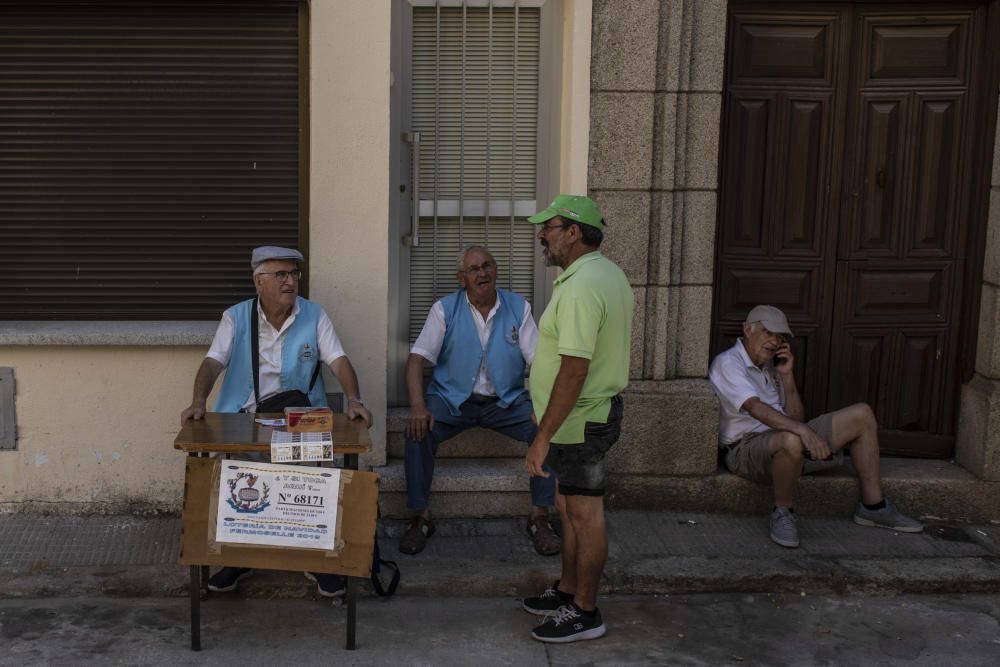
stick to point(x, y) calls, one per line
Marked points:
point(462, 488)
point(474, 443)
point(462, 475)
point(920, 487)
point(471, 488)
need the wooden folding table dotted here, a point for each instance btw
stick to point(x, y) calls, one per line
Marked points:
point(225, 433)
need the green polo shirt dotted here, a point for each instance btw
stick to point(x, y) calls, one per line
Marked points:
point(589, 316)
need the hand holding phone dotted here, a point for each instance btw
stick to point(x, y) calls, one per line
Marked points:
point(783, 357)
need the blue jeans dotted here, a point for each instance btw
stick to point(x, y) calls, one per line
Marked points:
point(514, 421)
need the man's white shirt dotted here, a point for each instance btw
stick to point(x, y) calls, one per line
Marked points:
point(271, 343)
point(736, 379)
point(431, 338)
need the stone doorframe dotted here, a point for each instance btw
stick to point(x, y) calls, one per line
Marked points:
point(656, 100)
point(977, 446)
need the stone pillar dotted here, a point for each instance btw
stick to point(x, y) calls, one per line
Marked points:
point(656, 99)
point(978, 443)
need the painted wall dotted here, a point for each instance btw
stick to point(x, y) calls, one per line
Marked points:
point(97, 417)
point(349, 187)
point(96, 427)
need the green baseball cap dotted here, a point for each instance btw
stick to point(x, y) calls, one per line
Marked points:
point(574, 208)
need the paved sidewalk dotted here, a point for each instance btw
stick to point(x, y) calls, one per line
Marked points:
point(650, 552)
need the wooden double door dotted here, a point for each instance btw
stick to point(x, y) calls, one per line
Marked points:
point(851, 180)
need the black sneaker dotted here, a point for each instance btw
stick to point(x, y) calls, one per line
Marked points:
point(548, 602)
point(570, 624)
point(328, 585)
point(228, 578)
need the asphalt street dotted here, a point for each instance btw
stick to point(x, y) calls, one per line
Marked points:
point(688, 630)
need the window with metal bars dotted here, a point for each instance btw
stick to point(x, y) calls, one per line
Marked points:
point(146, 146)
point(474, 103)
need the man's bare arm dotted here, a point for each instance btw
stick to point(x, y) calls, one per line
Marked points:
point(420, 420)
point(204, 380)
point(566, 389)
point(793, 402)
point(818, 447)
point(348, 379)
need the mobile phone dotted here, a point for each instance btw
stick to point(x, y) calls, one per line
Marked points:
point(778, 359)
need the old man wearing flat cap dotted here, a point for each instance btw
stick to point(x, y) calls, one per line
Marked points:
point(764, 435)
point(291, 336)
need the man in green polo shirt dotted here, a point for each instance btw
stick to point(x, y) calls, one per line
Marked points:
point(580, 368)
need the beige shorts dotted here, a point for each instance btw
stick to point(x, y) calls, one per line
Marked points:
point(751, 456)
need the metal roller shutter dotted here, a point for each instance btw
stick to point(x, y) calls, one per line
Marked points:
point(475, 104)
point(145, 148)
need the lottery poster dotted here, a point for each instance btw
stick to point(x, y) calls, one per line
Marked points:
point(277, 505)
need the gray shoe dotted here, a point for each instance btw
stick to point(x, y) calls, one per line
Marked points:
point(887, 517)
point(783, 528)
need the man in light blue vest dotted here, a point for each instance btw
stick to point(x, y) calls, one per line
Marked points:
point(294, 337)
point(480, 340)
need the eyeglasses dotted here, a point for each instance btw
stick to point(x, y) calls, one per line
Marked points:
point(548, 226)
point(485, 266)
point(282, 276)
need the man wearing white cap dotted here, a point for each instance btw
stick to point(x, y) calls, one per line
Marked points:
point(764, 435)
point(290, 337)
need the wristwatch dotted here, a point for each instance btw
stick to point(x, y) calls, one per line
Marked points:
point(356, 400)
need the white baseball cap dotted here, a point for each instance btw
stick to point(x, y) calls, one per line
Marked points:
point(772, 318)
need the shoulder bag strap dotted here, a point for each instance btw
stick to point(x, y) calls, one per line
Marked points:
point(383, 591)
point(312, 380)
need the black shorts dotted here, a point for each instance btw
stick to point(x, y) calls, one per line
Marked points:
point(580, 467)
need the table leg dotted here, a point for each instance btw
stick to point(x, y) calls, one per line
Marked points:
point(195, 607)
point(352, 612)
point(351, 463)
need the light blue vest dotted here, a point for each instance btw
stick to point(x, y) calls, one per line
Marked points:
point(299, 354)
point(462, 354)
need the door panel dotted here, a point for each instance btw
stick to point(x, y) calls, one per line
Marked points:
point(775, 206)
point(897, 292)
point(789, 287)
point(880, 206)
point(916, 405)
point(862, 358)
point(750, 129)
point(916, 49)
point(847, 141)
point(771, 48)
point(938, 143)
point(898, 271)
point(802, 153)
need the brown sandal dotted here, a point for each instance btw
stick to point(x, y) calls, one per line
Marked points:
point(543, 537)
point(415, 538)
